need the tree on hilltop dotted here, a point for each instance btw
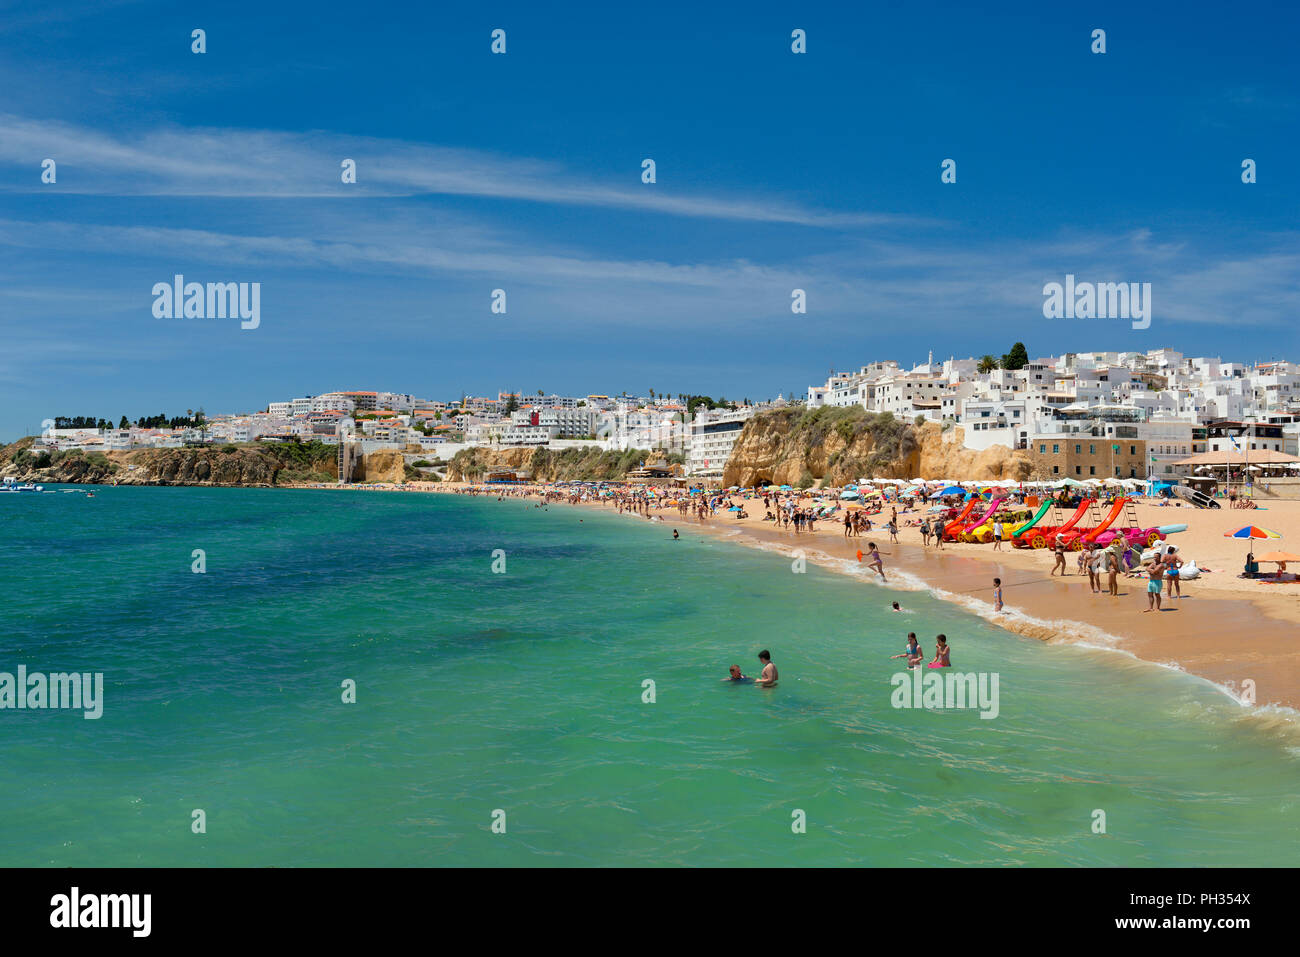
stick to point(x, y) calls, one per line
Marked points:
point(1017, 358)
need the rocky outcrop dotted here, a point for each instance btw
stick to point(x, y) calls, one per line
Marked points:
point(227, 465)
point(838, 446)
point(547, 465)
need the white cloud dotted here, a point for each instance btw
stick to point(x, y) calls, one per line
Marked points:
point(252, 163)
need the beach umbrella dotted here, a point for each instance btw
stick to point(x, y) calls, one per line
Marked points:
point(1278, 557)
point(951, 490)
point(849, 495)
point(1252, 531)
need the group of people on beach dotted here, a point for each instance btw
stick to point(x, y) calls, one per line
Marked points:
point(1161, 573)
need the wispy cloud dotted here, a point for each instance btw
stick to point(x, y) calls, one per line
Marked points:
point(932, 284)
point(259, 163)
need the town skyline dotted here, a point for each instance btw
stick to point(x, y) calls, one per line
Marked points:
point(817, 178)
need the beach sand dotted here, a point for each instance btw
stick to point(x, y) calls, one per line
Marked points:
point(1225, 629)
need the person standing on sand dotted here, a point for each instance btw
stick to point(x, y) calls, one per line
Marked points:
point(997, 536)
point(936, 532)
point(925, 533)
point(1154, 575)
point(1059, 550)
point(1172, 562)
point(1112, 570)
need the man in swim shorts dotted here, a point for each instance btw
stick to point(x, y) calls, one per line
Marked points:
point(1155, 574)
point(767, 677)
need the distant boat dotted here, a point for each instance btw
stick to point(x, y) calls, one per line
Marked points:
point(11, 485)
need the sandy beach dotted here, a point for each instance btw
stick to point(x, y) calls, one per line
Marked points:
point(1226, 629)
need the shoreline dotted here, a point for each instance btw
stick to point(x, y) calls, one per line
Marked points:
point(1221, 633)
point(1219, 637)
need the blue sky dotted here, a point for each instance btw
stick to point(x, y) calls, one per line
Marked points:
point(775, 171)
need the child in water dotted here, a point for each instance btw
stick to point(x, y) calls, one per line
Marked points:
point(941, 653)
point(912, 653)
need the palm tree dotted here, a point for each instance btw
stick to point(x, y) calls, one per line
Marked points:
point(988, 364)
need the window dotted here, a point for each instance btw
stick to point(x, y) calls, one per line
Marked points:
point(1078, 470)
point(1092, 470)
point(1092, 450)
point(1078, 449)
point(1132, 450)
point(1056, 449)
point(1055, 469)
point(1042, 449)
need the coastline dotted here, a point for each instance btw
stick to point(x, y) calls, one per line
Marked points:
point(1220, 631)
point(1217, 634)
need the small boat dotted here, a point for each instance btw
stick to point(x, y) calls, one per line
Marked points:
point(11, 485)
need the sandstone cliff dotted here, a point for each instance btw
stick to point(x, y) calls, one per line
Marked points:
point(839, 446)
point(218, 465)
point(547, 465)
point(384, 465)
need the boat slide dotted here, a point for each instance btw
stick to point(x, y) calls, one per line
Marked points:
point(950, 529)
point(1047, 505)
point(1115, 509)
point(993, 507)
point(1039, 538)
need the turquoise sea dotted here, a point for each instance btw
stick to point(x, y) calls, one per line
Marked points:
point(522, 692)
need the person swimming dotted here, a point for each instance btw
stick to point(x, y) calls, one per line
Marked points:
point(896, 608)
point(675, 535)
point(736, 676)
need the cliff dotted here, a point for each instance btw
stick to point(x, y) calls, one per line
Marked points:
point(547, 465)
point(840, 445)
point(384, 465)
point(214, 465)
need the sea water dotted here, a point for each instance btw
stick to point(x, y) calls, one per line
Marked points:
point(542, 687)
